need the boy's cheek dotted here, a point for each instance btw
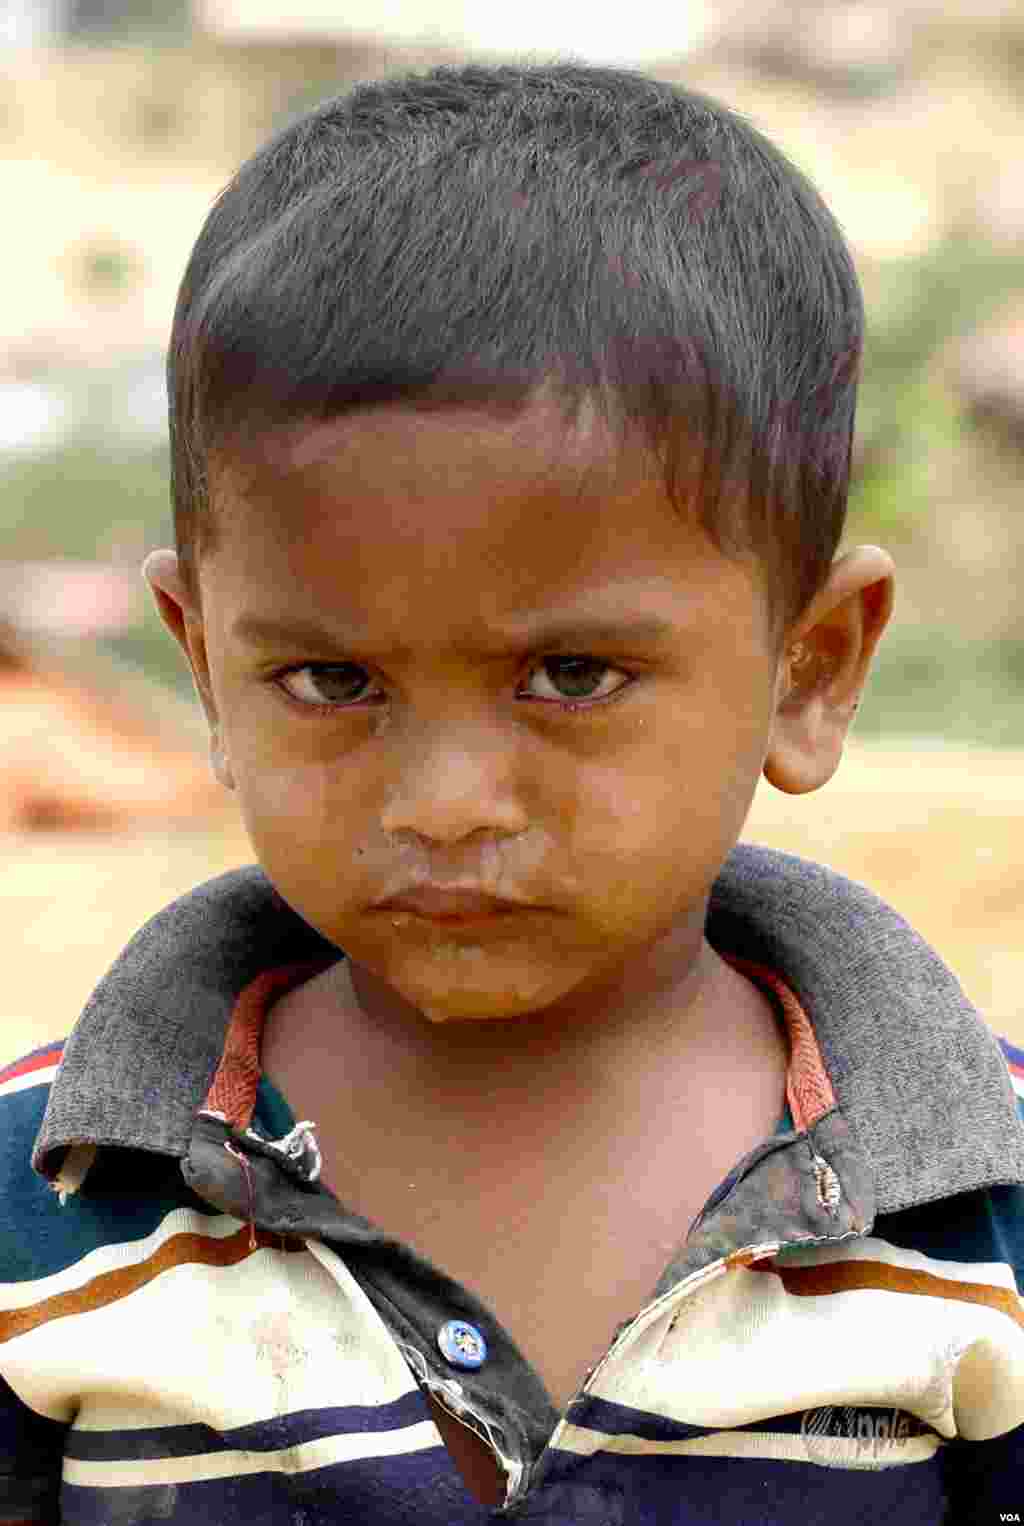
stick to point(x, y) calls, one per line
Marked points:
point(282, 802)
point(275, 792)
point(680, 813)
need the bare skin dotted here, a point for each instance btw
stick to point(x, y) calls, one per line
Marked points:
point(525, 672)
point(534, 1172)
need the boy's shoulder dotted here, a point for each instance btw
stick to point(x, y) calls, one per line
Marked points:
point(915, 1069)
point(140, 1059)
point(129, 1199)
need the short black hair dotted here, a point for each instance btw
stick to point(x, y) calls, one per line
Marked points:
point(469, 233)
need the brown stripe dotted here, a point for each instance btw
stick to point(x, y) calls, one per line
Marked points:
point(108, 1287)
point(851, 1276)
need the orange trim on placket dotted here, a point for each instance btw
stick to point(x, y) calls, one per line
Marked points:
point(236, 1080)
point(808, 1088)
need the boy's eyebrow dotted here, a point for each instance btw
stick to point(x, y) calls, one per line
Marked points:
point(565, 631)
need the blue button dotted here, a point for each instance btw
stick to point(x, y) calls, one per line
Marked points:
point(462, 1344)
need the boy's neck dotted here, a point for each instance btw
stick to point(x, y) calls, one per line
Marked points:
point(708, 1020)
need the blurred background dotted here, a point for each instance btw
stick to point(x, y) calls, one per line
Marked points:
point(119, 122)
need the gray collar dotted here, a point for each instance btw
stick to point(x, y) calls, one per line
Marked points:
point(917, 1075)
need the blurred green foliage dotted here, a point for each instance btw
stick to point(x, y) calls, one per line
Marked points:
point(64, 503)
point(907, 418)
point(929, 683)
point(148, 647)
point(75, 502)
point(106, 21)
point(106, 268)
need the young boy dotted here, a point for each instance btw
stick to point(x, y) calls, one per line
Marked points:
point(653, 1179)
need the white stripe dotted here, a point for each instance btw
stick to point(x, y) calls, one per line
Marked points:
point(221, 1346)
point(113, 1258)
point(1017, 1083)
point(21, 1083)
point(842, 1451)
point(322, 1453)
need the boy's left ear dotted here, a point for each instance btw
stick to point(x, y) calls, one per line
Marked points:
point(824, 666)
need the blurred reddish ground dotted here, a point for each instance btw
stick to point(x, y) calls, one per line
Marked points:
point(74, 757)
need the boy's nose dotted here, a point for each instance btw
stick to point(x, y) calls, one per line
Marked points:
point(452, 785)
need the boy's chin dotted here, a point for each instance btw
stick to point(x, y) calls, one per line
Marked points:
point(465, 983)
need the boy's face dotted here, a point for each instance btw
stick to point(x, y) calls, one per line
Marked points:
point(455, 649)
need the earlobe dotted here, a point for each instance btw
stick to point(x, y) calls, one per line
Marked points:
point(824, 668)
point(806, 745)
point(219, 761)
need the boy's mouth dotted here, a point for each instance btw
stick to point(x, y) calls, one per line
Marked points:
point(450, 903)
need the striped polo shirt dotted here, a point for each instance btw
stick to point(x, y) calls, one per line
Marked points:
point(194, 1330)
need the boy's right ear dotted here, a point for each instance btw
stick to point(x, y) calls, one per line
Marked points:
point(180, 611)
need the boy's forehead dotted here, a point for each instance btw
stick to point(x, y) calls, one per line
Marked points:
point(480, 523)
point(522, 503)
point(523, 509)
point(490, 443)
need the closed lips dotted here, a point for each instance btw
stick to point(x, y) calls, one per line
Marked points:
point(439, 902)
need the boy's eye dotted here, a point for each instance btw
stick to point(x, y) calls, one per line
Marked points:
point(577, 678)
point(326, 683)
point(569, 679)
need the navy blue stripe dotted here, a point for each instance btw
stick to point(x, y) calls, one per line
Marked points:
point(259, 1436)
point(419, 1489)
point(619, 1420)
